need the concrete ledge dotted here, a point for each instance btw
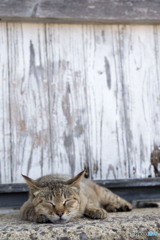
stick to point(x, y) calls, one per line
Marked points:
point(129, 225)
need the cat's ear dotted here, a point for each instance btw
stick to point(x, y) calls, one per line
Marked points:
point(74, 182)
point(33, 185)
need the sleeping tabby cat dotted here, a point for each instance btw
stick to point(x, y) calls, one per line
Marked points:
point(58, 199)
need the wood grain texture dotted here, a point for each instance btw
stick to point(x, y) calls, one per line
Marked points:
point(71, 11)
point(76, 96)
point(5, 144)
point(30, 126)
point(69, 116)
point(138, 69)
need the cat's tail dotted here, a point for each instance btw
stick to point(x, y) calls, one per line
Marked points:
point(146, 204)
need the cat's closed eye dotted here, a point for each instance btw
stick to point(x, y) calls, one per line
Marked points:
point(69, 202)
point(66, 201)
point(51, 203)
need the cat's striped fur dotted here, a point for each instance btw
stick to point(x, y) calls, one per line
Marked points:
point(59, 199)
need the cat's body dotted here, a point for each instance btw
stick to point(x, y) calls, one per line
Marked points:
point(58, 199)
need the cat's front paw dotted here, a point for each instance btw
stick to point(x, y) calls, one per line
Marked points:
point(41, 219)
point(120, 207)
point(96, 213)
point(126, 207)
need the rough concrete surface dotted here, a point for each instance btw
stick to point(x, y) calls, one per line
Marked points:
point(122, 225)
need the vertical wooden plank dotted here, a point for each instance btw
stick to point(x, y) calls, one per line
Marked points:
point(107, 138)
point(5, 147)
point(137, 52)
point(29, 101)
point(69, 116)
point(154, 108)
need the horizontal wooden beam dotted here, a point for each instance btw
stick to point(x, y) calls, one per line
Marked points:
point(133, 190)
point(119, 183)
point(81, 11)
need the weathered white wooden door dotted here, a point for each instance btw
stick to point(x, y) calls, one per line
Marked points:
point(78, 95)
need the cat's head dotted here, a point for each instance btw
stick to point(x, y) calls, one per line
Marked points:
point(58, 201)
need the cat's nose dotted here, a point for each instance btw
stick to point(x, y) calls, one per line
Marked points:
point(60, 213)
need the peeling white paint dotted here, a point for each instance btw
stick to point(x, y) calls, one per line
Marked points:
point(77, 95)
